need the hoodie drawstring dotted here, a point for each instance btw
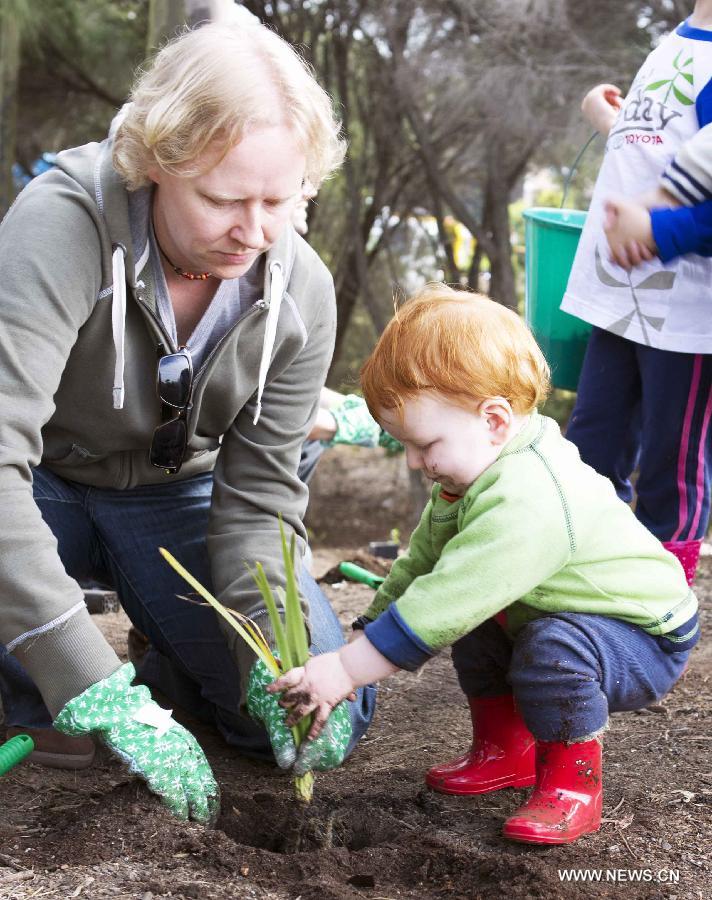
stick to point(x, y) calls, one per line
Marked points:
point(118, 321)
point(118, 325)
point(276, 290)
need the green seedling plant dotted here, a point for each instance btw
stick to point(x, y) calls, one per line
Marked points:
point(292, 643)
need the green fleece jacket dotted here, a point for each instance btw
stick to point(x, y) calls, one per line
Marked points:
point(538, 532)
point(60, 244)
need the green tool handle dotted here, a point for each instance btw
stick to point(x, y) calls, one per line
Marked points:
point(15, 750)
point(357, 573)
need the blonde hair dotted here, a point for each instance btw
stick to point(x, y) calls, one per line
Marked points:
point(462, 345)
point(211, 86)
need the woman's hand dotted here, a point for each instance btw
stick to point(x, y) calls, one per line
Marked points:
point(318, 686)
point(601, 105)
point(155, 747)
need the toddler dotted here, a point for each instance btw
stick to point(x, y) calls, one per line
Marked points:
point(559, 605)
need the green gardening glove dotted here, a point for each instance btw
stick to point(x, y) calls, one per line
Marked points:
point(356, 425)
point(264, 708)
point(163, 753)
point(392, 445)
point(326, 752)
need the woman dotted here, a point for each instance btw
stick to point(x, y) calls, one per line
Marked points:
point(165, 335)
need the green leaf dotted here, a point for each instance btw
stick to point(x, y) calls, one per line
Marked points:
point(654, 85)
point(296, 629)
point(686, 101)
point(227, 614)
point(674, 62)
point(688, 77)
point(250, 633)
point(280, 635)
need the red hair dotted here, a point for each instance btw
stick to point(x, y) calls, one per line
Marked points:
point(462, 345)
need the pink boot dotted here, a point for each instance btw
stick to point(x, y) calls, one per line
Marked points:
point(688, 552)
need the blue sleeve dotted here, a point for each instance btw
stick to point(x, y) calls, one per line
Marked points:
point(703, 105)
point(687, 229)
point(392, 637)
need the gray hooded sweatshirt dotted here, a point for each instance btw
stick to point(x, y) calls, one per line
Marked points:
point(79, 335)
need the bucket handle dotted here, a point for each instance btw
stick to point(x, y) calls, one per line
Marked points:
point(573, 168)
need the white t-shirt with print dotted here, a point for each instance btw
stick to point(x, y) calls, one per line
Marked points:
point(664, 306)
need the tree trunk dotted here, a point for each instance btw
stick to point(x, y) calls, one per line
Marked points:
point(495, 237)
point(165, 19)
point(9, 69)
point(499, 251)
point(355, 232)
point(473, 275)
point(452, 273)
point(347, 291)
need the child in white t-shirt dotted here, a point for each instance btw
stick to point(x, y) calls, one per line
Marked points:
point(644, 397)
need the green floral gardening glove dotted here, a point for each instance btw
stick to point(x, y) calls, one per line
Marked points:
point(326, 752)
point(145, 737)
point(356, 425)
point(392, 445)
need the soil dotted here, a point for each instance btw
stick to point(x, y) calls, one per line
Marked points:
point(373, 830)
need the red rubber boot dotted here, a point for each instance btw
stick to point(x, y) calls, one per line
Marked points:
point(566, 801)
point(502, 752)
point(688, 552)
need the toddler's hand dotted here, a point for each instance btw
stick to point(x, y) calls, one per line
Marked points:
point(318, 686)
point(629, 232)
point(601, 105)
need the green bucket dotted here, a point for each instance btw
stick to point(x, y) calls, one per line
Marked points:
point(551, 239)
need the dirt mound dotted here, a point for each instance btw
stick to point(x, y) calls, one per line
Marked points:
point(373, 830)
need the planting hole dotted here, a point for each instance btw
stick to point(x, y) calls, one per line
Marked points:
point(268, 822)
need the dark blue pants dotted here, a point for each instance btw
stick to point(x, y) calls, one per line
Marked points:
point(311, 454)
point(638, 406)
point(111, 536)
point(567, 671)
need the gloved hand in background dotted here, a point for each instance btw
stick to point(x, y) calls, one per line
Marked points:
point(326, 752)
point(392, 446)
point(164, 754)
point(356, 425)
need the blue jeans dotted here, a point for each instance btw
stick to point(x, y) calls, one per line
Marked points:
point(309, 460)
point(567, 671)
point(640, 406)
point(112, 536)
